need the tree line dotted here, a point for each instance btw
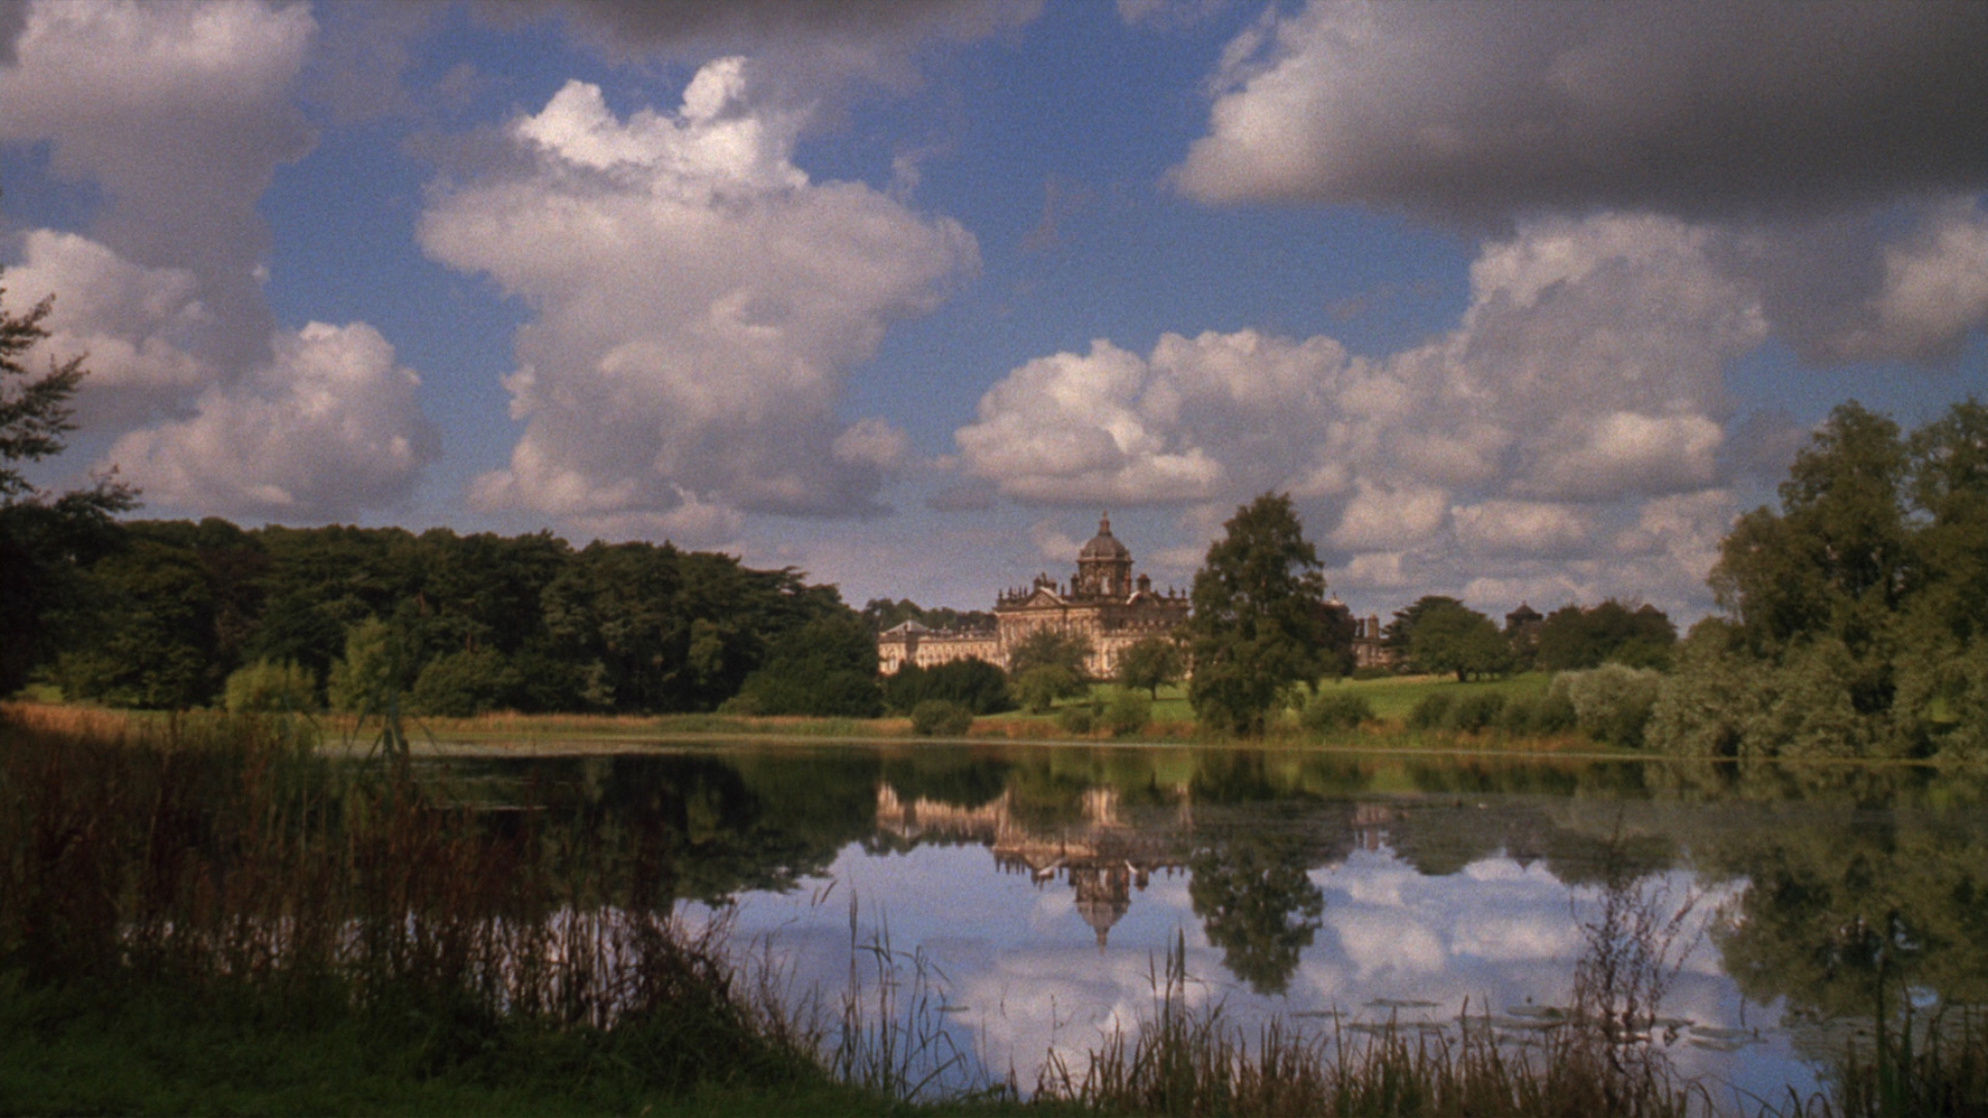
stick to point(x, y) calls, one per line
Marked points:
point(456, 624)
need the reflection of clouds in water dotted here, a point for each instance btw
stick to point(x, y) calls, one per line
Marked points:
point(1019, 958)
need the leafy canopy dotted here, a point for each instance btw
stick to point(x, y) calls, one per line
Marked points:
point(1259, 624)
point(44, 539)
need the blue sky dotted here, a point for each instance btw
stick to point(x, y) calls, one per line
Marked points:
point(905, 295)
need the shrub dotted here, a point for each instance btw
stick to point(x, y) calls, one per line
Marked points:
point(1039, 687)
point(1127, 712)
point(463, 684)
point(1080, 719)
point(1536, 715)
point(972, 683)
point(1611, 703)
point(284, 687)
point(1336, 709)
point(940, 718)
point(1472, 713)
point(1432, 712)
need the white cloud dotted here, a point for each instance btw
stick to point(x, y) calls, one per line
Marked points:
point(697, 302)
point(1585, 380)
point(1935, 290)
point(330, 427)
point(1521, 527)
point(138, 327)
point(181, 113)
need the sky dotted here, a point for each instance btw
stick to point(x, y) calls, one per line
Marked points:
point(1517, 302)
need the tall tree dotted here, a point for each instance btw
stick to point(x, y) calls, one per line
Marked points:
point(44, 538)
point(1258, 627)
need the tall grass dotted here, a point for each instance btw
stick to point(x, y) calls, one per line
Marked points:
point(218, 862)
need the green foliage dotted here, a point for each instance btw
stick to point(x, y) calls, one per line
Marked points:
point(465, 684)
point(884, 613)
point(1126, 712)
point(941, 718)
point(1537, 715)
point(1449, 637)
point(1258, 626)
point(1612, 703)
point(45, 540)
point(1475, 712)
point(1432, 712)
point(1047, 647)
point(1039, 687)
point(1149, 664)
point(263, 687)
point(1857, 609)
point(1573, 638)
point(827, 667)
point(973, 683)
point(375, 672)
point(1335, 709)
point(1079, 718)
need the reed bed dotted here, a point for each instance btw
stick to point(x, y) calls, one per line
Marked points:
point(220, 863)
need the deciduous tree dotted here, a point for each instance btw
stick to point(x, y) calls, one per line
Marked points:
point(44, 538)
point(1258, 626)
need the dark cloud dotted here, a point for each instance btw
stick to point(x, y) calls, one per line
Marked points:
point(1484, 111)
point(813, 42)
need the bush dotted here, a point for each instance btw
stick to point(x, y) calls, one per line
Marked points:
point(281, 688)
point(1432, 713)
point(1611, 703)
point(1039, 687)
point(1080, 719)
point(1536, 715)
point(464, 684)
point(1472, 713)
point(972, 683)
point(1335, 709)
point(1127, 712)
point(940, 718)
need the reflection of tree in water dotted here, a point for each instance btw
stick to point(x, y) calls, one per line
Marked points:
point(1257, 903)
point(1837, 898)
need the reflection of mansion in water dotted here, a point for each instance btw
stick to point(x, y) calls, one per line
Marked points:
point(1103, 603)
point(1103, 858)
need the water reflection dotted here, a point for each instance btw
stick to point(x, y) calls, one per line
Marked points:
point(1042, 882)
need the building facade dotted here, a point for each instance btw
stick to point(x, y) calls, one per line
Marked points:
point(1103, 603)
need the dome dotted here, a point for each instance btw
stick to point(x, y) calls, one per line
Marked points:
point(1104, 545)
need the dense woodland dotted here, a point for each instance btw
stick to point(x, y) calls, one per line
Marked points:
point(458, 623)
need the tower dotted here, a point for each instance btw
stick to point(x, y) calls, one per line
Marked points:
point(1104, 565)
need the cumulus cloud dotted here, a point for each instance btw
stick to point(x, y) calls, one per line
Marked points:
point(328, 428)
point(1935, 290)
point(697, 301)
point(140, 327)
point(1462, 110)
point(1585, 381)
point(180, 113)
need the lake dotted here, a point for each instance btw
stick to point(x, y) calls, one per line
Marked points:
point(1031, 894)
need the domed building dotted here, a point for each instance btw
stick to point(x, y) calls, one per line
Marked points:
point(1103, 603)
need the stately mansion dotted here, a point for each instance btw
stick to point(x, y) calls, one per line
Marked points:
point(1103, 604)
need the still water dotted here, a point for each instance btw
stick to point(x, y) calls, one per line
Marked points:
point(1037, 891)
